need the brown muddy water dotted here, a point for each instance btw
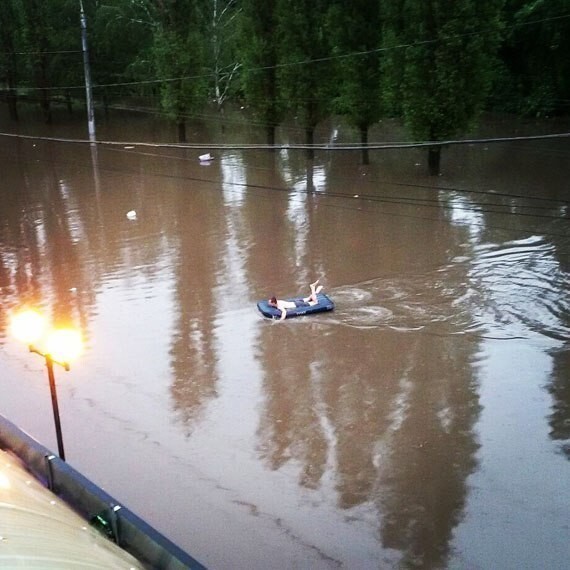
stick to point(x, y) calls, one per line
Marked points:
point(425, 423)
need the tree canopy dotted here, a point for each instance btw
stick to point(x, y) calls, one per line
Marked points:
point(435, 64)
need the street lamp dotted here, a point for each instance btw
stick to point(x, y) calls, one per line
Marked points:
point(59, 346)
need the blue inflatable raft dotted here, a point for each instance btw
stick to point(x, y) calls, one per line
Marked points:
point(325, 303)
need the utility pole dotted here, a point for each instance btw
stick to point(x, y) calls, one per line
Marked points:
point(87, 71)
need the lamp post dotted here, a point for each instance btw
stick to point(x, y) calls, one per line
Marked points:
point(54, 404)
point(61, 346)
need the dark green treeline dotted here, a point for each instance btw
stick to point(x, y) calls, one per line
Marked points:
point(436, 64)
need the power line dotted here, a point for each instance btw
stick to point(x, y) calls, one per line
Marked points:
point(296, 63)
point(289, 146)
point(39, 52)
point(479, 207)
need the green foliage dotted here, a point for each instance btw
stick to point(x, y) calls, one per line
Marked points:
point(120, 42)
point(535, 77)
point(435, 63)
point(50, 29)
point(305, 75)
point(221, 32)
point(177, 62)
point(257, 50)
point(439, 63)
point(11, 40)
point(354, 28)
point(177, 55)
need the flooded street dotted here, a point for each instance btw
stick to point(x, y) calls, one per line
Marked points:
point(425, 423)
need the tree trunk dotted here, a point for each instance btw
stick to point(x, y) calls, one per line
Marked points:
point(270, 136)
point(106, 103)
point(181, 130)
point(43, 82)
point(309, 138)
point(364, 143)
point(69, 102)
point(12, 93)
point(13, 104)
point(46, 107)
point(434, 160)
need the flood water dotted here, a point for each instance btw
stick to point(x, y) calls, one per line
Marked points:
point(425, 423)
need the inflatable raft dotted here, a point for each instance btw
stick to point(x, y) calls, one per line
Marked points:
point(325, 303)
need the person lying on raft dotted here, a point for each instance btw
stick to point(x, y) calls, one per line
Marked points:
point(305, 302)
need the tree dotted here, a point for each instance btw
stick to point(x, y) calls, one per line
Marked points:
point(439, 64)
point(221, 32)
point(10, 37)
point(37, 31)
point(354, 27)
point(120, 46)
point(304, 72)
point(177, 56)
point(258, 53)
point(51, 42)
point(535, 65)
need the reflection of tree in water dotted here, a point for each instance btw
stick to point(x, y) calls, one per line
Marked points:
point(560, 390)
point(430, 452)
point(62, 255)
point(560, 386)
point(358, 395)
point(290, 428)
point(404, 436)
point(400, 412)
point(19, 247)
point(193, 357)
point(40, 263)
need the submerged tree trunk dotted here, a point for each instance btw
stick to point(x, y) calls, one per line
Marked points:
point(434, 160)
point(13, 103)
point(45, 104)
point(364, 143)
point(270, 136)
point(309, 138)
point(43, 83)
point(181, 125)
point(69, 101)
point(12, 93)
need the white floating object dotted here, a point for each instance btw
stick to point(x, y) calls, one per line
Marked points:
point(206, 157)
point(128, 147)
point(355, 196)
point(132, 215)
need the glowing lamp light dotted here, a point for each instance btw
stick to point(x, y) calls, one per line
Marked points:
point(64, 345)
point(28, 326)
point(59, 346)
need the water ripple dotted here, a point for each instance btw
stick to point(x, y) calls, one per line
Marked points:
point(511, 290)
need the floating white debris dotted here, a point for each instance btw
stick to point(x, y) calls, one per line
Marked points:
point(132, 215)
point(355, 196)
point(206, 157)
point(128, 147)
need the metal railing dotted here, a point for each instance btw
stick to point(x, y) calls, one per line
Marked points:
point(117, 522)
